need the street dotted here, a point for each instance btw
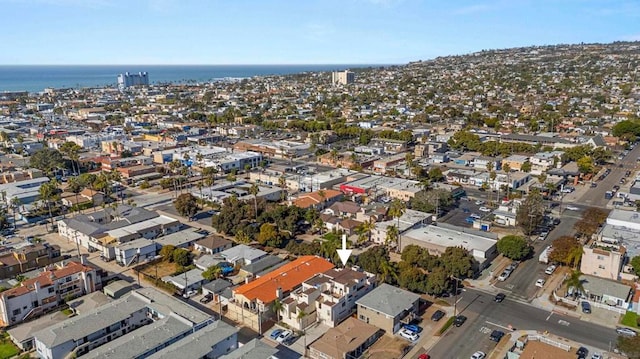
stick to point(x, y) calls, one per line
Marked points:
point(484, 315)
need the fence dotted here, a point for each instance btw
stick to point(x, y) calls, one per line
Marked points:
point(543, 339)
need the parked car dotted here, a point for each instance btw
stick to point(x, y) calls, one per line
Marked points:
point(586, 307)
point(594, 185)
point(189, 294)
point(582, 353)
point(511, 267)
point(484, 209)
point(499, 297)
point(540, 283)
point(206, 299)
point(475, 216)
point(284, 335)
point(424, 356)
point(479, 203)
point(543, 236)
point(407, 334)
point(496, 335)
point(572, 208)
point(412, 327)
point(550, 269)
point(437, 315)
point(597, 356)
point(478, 355)
point(626, 332)
point(275, 333)
point(504, 275)
point(460, 319)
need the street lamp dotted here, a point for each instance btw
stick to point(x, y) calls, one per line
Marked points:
point(455, 298)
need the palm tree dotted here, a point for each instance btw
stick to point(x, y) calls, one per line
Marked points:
point(318, 224)
point(209, 173)
point(386, 271)
point(301, 315)
point(277, 306)
point(75, 186)
point(15, 205)
point(368, 227)
point(574, 257)
point(396, 210)
point(282, 182)
point(392, 235)
point(334, 156)
point(48, 193)
point(254, 191)
point(575, 281)
point(507, 170)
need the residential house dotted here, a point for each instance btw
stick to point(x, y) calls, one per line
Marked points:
point(606, 291)
point(346, 341)
point(213, 244)
point(189, 280)
point(481, 162)
point(318, 200)
point(349, 226)
point(242, 255)
point(34, 297)
point(388, 307)
point(409, 219)
point(542, 161)
point(515, 162)
point(345, 209)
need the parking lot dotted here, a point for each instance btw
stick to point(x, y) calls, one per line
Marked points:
point(466, 208)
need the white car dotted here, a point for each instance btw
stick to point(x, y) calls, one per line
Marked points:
point(550, 269)
point(478, 355)
point(504, 276)
point(284, 336)
point(407, 334)
point(475, 216)
point(484, 209)
point(540, 283)
point(189, 294)
point(543, 236)
point(479, 203)
point(572, 208)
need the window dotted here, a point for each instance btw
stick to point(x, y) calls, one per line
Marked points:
point(51, 289)
point(601, 266)
point(600, 258)
point(16, 311)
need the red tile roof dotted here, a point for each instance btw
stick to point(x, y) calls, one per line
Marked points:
point(286, 278)
point(46, 278)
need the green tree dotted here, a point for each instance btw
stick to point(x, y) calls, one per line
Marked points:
point(563, 248)
point(574, 280)
point(531, 212)
point(71, 150)
point(396, 210)
point(412, 278)
point(212, 273)
point(46, 160)
point(437, 282)
point(186, 205)
point(514, 247)
point(48, 193)
point(167, 252)
point(276, 307)
point(371, 259)
point(458, 262)
point(635, 263)
point(387, 272)
point(392, 235)
point(269, 235)
point(181, 257)
point(585, 165)
point(435, 174)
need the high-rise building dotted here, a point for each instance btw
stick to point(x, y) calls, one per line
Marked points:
point(343, 77)
point(127, 80)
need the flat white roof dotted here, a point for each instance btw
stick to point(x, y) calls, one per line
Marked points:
point(140, 226)
point(445, 237)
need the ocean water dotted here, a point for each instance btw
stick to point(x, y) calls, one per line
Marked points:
point(35, 78)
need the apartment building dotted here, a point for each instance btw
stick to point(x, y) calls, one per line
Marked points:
point(25, 257)
point(144, 323)
point(388, 307)
point(34, 297)
point(601, 259)
point(327, 297)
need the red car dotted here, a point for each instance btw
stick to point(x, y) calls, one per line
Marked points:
point(424, 356)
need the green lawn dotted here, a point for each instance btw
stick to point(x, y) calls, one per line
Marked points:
point(630, 319)
point(67, 311)
point(7, 350)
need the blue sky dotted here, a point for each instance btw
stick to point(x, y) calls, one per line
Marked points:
point(296, 31)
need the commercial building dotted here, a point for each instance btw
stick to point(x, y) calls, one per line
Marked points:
point(409, 219)
point(388, 307)
point(375, 186)
point(128, 80)
point(437, 238)
point(34, 297)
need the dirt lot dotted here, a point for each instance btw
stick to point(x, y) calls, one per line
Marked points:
point(164, 268)
point(387, 347)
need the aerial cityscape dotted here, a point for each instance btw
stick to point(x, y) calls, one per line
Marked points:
point(370, 189)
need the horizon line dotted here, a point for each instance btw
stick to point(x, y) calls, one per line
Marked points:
point(258, 64)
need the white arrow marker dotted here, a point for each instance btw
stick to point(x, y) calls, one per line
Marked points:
point(344, 253)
